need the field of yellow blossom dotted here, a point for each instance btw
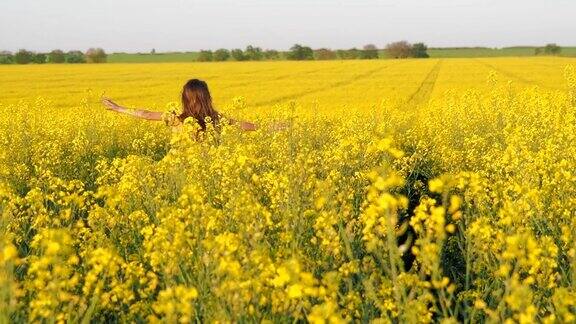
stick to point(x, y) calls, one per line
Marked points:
point(438, 190)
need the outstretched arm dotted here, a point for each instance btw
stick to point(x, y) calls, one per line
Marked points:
point(138, 113)
point(243, 125)
point(246, 126)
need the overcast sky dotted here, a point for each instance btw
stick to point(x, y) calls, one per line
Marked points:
point(140, 25)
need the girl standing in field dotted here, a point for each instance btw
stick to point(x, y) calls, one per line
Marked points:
point(196, 103)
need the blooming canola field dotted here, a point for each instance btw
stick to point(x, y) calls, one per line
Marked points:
point(396, 191)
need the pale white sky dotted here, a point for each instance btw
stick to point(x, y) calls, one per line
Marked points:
point(139, 25)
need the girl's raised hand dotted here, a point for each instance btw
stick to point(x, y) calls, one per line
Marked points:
point(109, 104)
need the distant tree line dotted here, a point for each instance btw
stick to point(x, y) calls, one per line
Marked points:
point(368, 52)
point(403, 49)
point(549, 49)
point(297, 52)
point(300, 52)
point(251, 53)
point(92, 55)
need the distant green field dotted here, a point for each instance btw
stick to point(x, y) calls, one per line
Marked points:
point(434, 53)
point(491, 52)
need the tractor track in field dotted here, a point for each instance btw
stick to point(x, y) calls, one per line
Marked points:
point(516, 76)
point(422, 94)
point(341, 83)
point(277, 78)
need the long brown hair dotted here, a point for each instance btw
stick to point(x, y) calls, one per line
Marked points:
point(197, 103)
